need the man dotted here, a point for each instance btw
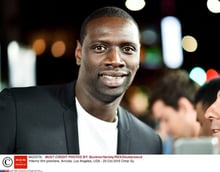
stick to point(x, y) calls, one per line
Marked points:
point(171, 104)
point(83, 117)
point(205, 96)
point(213, 115)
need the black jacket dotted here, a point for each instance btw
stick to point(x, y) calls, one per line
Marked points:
point(43, 120)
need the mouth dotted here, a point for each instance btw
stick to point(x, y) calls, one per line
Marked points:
point(215, 131)
point(113, 78)
point(110, 76)
point(113, 73)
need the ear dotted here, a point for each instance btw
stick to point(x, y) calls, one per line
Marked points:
point(185, 105)
point(78, 52)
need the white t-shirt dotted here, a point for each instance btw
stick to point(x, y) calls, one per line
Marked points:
point(96, 137)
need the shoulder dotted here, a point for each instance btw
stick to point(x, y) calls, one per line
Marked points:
point(61, 93)
point(36, 90)
point(131, 122)
point(139, 133)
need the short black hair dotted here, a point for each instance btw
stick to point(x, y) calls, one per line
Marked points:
point(208, 92)
point(108, 11)
point(171, 86)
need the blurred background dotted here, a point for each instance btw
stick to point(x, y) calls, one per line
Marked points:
point(37, 39)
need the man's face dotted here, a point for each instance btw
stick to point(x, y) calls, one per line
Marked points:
point(168, 117)
point(213, 114)
point(109, 56)
point(178, 123)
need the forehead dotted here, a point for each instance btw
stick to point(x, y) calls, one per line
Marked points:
point(156, 109)
point(160, 109)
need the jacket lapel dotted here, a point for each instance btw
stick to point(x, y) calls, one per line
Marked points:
point(123, 133)
point(70, 123)
point(70, 118)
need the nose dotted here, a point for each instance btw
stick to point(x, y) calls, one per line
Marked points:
point(114, 58)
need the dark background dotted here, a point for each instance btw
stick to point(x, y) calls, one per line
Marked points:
point(21, 19)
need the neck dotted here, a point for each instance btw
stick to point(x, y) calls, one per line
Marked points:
point(105, 112)
point(97, 108)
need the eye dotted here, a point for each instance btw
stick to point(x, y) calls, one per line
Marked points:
point(128, 49)
point(99, 48)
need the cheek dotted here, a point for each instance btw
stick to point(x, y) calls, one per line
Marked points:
point(134, 67)
point(137, 66)
point(132, 62)
point(90, 64)
point(172, 122)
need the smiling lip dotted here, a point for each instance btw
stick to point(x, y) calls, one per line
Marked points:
point(214, 131)
point(113, 78)
point(113, 73)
